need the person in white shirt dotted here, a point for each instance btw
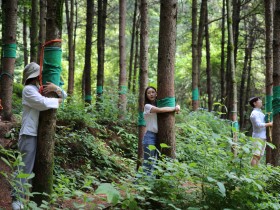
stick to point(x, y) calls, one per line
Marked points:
point(33, 102)
point(259, 130)
point(150, 137)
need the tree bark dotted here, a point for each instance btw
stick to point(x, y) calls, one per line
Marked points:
point(34, 31)
point(71, 52)
point(42, 27)
point(200, 37)
point(87, 68)
point(233, 114)
point(132, 45)
point(269, 67)
point(101, 28)
point(9, 25)
point(24, 37)
point(166, 63)
point(235, 25)
point(248, 88)
point(122, 76)
point(208, 61)
point(43, 169)
point(143, 75)
point(222, 76)
point(195, 76)
point(276, 83)
point(249, 40)
point(134, 79)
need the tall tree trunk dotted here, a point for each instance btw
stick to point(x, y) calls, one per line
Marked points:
point(87, 68)
point(43, 181)
point(242, 89)
point(132, 45)
point(235, 25)
point(75, 35)
point(195, 76)
point(34, 31)
point(233, 115)
point(276, 86)
point(143, 76)
point(71, 52)
point(101, 28)
point(122, 76)
point(249, 40)
point(269, 68)
point(229, 87)
point(135, 58)
point(208, 61)
point(200, 37)
point(222, 76)
point(248, 88)
point(42, 27)
point(9, 25)
point(24, 30)
point(166, 63)
point(235, 20)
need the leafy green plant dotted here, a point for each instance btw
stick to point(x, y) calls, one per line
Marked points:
point(13, 160)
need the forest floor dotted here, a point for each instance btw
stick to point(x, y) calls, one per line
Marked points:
point(5, 187)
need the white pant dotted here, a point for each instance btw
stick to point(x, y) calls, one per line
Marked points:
point(259, 146)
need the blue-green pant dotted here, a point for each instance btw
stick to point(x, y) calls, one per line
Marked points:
point(27, 146)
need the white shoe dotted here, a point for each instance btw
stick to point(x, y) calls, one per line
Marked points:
point(17, 205)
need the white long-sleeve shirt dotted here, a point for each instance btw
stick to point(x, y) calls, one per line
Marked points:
point(150, 118)
point(258, 121)
point(33, 102)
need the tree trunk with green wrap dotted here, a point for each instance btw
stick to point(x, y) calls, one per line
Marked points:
point(195, 76)
point(122, 76)
point(269, 69)
point(276, 86)
point(143, 77)
point(166, 68)
point(44, 162)
point(88, 52)
point(9, 25)
point(101, 27)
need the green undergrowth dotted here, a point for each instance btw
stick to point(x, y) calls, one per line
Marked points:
point(88, 143)
point(95, 153)
point(205, 174)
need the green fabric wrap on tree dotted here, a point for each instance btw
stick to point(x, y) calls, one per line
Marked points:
point(61, 83)
point(141, 120)
point(166, 102)
point(276, 100)
point(123, 89)
point(88, 97)
point(268, 108)
point(99, 89)
point(235, 126)
point(52, 65)
point(195, 94)
point(9, 50)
